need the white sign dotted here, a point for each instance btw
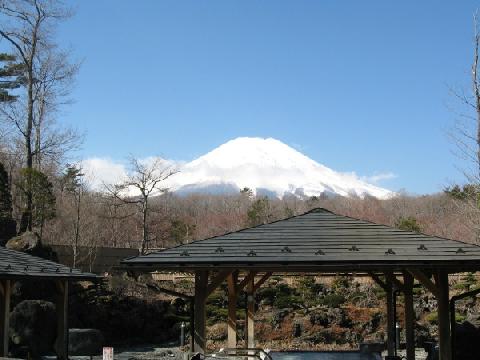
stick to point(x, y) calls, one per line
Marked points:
point(108, 353)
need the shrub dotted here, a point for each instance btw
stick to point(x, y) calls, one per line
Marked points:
point(287, 302)
point(333, 300)
point(432, 318)
point(408, 224)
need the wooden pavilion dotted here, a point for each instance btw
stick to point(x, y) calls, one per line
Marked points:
point(17, 266)
point(320, 242)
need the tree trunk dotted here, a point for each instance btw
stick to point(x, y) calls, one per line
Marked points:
point(77, 230)
point(144, 224)
point(26, 222)
point(476, 92)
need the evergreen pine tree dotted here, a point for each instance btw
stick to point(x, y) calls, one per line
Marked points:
point(7, 224)
point(10, 77)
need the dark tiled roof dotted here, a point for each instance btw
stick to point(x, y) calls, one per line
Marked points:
point(316, 240)
point(16, 264)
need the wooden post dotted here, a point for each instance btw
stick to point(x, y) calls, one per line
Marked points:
point(390, 320)
point(409, 316)
point(443, 316)
point(61, 344)
point(5, 316)
point(201, 283)
point(192, 324)
point(232, 310)
point(250, 318)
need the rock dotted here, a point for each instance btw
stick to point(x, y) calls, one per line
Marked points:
point(33, 324)
point(28, 242)
point(218, 332)
point(422, 335)
point(327, 317)
point(85, 342)
point(474, 319)
point(319, 318)
point(297, 330)
point(467, 338)
point(278, 317)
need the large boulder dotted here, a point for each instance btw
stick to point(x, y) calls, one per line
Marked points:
point(85, 342)
point(33, 324)
point(467, 338)
point(29, 242)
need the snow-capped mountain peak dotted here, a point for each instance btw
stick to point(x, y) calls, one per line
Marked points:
point(267, 166)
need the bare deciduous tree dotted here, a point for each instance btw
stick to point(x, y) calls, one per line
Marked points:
point(466, 138)
point(145, 179)
point(115, 213)
point(466, 132)
point(28, 27)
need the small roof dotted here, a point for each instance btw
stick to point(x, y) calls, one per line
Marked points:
point(318, 240)
point(16, 264)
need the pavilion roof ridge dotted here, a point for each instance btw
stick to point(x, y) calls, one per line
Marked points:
point(20, 264)
point(316, 239)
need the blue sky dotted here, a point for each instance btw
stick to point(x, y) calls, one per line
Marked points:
point(356, 85)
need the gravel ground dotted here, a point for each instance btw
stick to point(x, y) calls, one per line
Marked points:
point(420, 354)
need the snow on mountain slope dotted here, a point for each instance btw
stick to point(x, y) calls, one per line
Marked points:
point(267, 166)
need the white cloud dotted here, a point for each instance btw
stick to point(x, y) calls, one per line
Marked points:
point(100, 171)
point(379, 177)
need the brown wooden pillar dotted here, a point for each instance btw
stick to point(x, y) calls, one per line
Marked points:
point(232, 310)
point(5, 289)
point(201, 283)
point(390, 319)
point(409, 316)
point(250, 318)
point(61, 344)
point(444, 330)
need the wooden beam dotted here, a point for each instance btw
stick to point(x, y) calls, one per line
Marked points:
point(246, 280)
point(409, 315)
point(261, 281)
point(6, 289)
point(61, 344)
point(445, 349)
point(379, 281)
point(250, 318)
point(199, 338)
point(217, 280)
point(232, 310)
point(425, 281)
point(394, 280)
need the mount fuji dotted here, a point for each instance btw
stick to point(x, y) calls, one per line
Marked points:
point(268, 167)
